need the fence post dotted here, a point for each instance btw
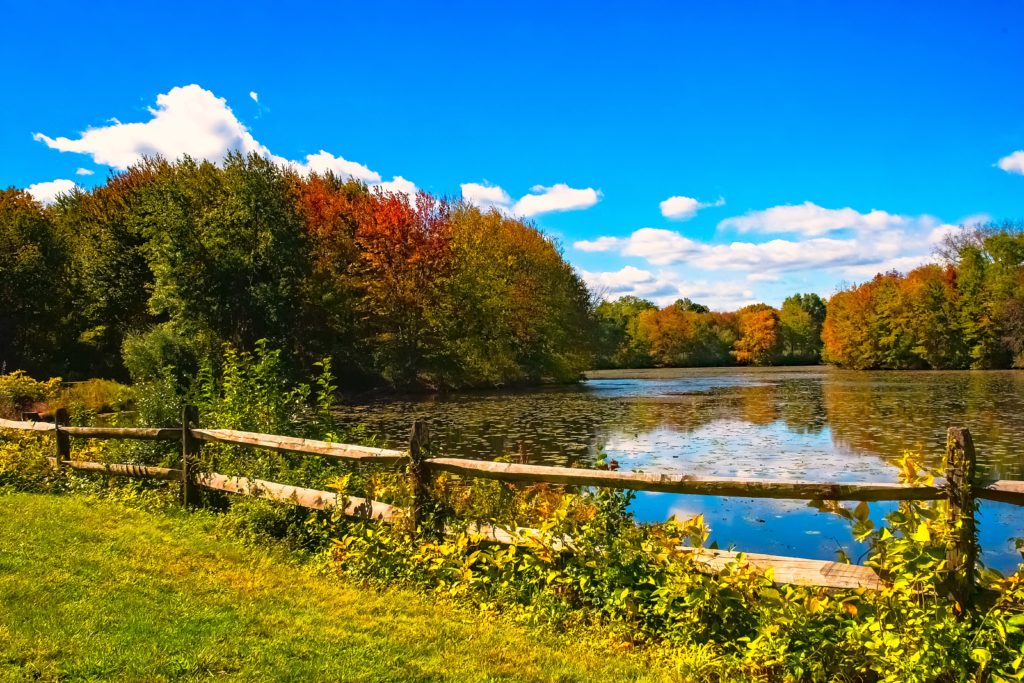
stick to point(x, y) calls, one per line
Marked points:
point(189, 448)
point(962, 552)
point(419, 477)
point(62, 438)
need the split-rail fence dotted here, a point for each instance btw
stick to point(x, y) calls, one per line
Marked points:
point(960, 489)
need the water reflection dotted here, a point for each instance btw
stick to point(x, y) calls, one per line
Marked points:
point(805, 423)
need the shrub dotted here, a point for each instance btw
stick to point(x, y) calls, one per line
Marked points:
point(19, 392)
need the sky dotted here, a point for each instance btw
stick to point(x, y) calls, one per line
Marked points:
point(727, 152)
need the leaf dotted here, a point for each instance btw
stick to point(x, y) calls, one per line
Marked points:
point(922, 535)
point(861, 512)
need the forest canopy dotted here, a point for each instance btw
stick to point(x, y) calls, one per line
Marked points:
point(167, 262)
point(967, 312)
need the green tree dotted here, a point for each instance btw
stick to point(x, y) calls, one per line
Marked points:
point(619, 343)
point(227, 251)
point(800, 322)
point(33, 287)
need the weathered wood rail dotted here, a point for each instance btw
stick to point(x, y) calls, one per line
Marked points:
point(960, 490)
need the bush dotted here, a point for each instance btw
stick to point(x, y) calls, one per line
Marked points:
point(150, 356)
point(19, 392)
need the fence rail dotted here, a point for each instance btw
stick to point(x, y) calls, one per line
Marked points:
point(960, 490)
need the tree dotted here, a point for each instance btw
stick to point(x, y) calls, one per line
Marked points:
point(800, 321)
point(33, 286)
point(111, 277)
point(227, 251)
point(620, 344)
point(759, 342)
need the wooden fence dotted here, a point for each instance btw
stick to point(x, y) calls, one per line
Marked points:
point(960, 490)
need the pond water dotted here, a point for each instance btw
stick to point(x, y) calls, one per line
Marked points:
point(787, 423)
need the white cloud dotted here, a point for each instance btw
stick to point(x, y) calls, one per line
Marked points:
point(83, 171)
point(186, 120)
point(486, 196)
point(811, 220)
point(323, 162)
point(764, 277)
point(684, 208)
point(1013, 163)
point(878, 241)
point(47, 192)
point(559, 197)
point(254, 96)
point(665, 286)
point(192, 120)
point(976, 219)
point(398, 185)
point(600, 244)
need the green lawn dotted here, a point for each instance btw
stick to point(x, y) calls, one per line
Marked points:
point(91, 590)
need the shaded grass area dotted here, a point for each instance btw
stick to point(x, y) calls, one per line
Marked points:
point(92, 590)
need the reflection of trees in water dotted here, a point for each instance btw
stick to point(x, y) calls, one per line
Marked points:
point(797, 403)
point(875, 413)
point(558, 427)
point(885, 413)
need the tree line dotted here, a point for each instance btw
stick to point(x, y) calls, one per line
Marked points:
point(634, 333)
point(965, 312)
point(164, 264)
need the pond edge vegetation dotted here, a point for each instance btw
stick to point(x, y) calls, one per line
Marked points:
point(637, 581)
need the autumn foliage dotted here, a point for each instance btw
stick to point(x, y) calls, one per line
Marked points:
point(166, 262)
point(636, 333)
point(967, 313)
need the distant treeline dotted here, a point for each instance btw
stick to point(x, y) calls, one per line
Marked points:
point(966, 313)
point(165, 263)
point(635, 333)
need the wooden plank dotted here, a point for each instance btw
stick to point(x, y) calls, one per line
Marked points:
point(962, 548)
point(146, 433)
point(419, 475)
point(190, 448)
point(289, 444)
point(62, 441)
point(792, 570)
point(684, 483)
point(121, 469)
point(1004, 491)
point(303, 497)
point(27, 426)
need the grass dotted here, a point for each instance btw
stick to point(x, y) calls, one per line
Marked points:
point(93, 590)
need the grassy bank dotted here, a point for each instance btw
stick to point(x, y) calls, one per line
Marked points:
point(92, 590)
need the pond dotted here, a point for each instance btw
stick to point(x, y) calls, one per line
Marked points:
point(813, 423)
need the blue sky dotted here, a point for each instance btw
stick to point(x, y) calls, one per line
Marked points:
point(806, 144)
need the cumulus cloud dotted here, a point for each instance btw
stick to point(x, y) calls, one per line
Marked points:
point(254, 96)
point(543, 199)
point(48, 191)
point(323, 162)
point(657, 245)
point(559, 197)
point(190, 120)
point(398, 185)
point(665, 286)
point(877, 241)
point(684, 208)
point(186, 120)
point(83, 171)
point(811, 220)
point(486, 196)
point(1013, 163)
